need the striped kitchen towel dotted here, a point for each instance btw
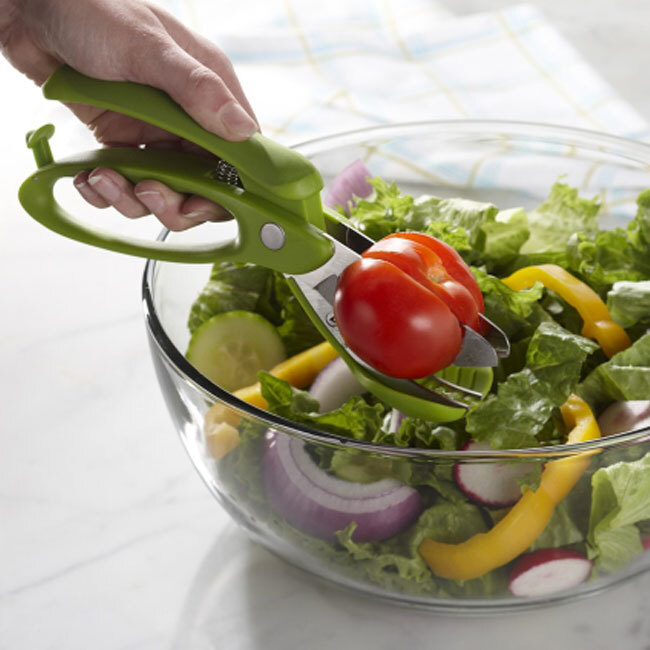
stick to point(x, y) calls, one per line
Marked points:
point(357, 63)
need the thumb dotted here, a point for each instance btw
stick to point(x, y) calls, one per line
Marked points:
point(199, 90)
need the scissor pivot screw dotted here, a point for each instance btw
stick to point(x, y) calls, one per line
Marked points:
point(272, 236)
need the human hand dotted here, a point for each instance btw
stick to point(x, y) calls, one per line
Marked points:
point(131, 40)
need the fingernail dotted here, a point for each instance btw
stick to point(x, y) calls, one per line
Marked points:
point(152, 199)
point(105, 187)
point(237, 120)
point(201, 215)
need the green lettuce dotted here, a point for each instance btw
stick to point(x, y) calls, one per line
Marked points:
point(608, 256)
point(396, 563)
point(385, 212)
point(231, 287)
point(477, 230)
point(620, 500)
point(629, 303)
point(561, 530)
point(508, 309)
point(524, 403)
point(249, 287)
point(626, 376)
point(553, 223)
point(355, 419)
point(504, 238)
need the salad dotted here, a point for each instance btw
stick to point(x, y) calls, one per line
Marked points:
point(574, 302)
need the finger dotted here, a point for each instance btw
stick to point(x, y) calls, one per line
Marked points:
point(199, 90)
point(197, 207)
point(117, 191)
point(32, 61)
point(205, 51)
point(170, 207)
point(80, 181)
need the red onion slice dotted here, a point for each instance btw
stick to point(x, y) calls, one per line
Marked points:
point(319, 504)
point(350, 183)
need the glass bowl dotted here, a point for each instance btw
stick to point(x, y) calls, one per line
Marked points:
point(510, 164)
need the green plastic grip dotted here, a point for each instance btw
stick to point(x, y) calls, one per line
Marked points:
point(304, 247)
point(265, 167)
point(281, 187)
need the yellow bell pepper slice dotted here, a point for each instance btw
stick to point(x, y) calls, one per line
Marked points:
point(300, 370)
point(526, 519)
point(598, 323)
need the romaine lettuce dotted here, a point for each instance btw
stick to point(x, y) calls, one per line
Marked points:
point(626, 376)
point(629, 303)
point(553, 223)
point(524, 403)
point(620, 500)
point(249, 287)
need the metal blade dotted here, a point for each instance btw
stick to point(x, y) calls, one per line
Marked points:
point(496, 337)
point(318, 287)
point(475, 351)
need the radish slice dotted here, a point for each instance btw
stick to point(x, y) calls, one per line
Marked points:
point(350, 183)
point(320, 504)
point(488, 483)
point(335, 385)
point(624, 416)
point(547, 571)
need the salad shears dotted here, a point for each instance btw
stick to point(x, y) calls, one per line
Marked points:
point(274, 194)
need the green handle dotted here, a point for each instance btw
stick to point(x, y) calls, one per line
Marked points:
point(279, 212)
point(303, 246)
point(266, 168)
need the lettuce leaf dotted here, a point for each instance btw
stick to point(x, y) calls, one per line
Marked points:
point(476, 230)
point(397, 564)
point(626, 376)
point(356, 418)
point(629, 303)
point(620, 499)
point(525, 401)
point(561, 530)
point(249, 287)
point(638, 230)
point(504, 238)
point(385, 212)
point(507, 308)
point(608, 256)
point(562, 214)
point(230, 287)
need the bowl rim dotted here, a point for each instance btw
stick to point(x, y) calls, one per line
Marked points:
point(530, 130)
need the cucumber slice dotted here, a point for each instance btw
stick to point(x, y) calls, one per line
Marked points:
point(231, 348)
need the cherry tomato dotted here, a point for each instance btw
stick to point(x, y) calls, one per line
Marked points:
point(400, 307)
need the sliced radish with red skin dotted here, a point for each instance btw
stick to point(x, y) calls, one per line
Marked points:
point(489, 483)
point(320, 504)
point(350, 183)
point(548, 571)
point(335, 385)
point(624, 416)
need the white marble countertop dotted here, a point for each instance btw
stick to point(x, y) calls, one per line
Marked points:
point(108, 538)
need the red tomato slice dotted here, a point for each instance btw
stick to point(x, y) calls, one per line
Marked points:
point(393, 322)
point(425, 266)
point(401, 306)
point(451, 259)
